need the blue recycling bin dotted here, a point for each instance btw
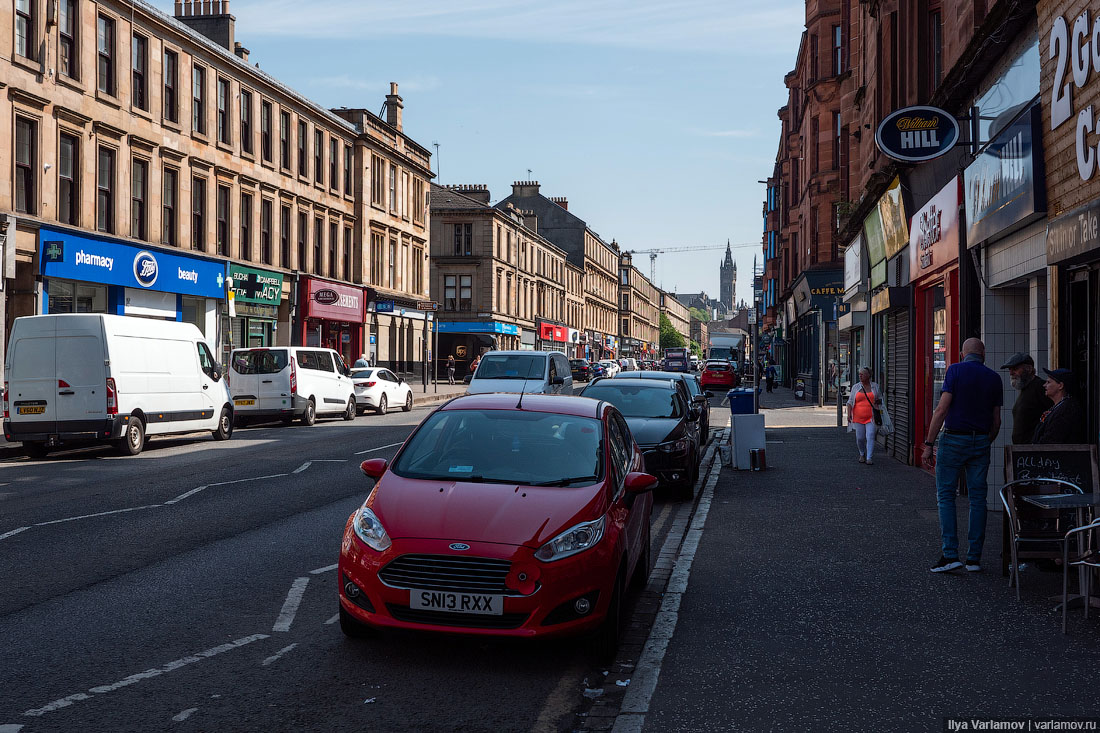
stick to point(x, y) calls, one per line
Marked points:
point(741, 401)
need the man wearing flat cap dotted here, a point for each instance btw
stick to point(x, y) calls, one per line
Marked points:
point(1031, 403)
point(1065, 421)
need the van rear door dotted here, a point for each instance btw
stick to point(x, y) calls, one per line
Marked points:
point(244, 384)
point(272, 371)
point(81, 375)
point(32, 381)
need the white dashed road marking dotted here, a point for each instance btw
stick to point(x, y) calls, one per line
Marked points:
point(184, 715)
point(332, 620)
point(275, 657)
point(9, 534)
point(375, 450)
point(290, 606)
point(325, 569)
point(9, 728)
point(302, 467)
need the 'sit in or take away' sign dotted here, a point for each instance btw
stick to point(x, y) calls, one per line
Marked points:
point(913, 134)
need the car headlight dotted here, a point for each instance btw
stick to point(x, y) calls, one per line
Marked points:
point(573, 540)
point(674, 446)
point(370, 530)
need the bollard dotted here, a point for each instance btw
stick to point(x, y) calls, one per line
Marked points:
point(758, 460)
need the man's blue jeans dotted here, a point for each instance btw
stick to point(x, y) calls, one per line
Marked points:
point(968, 455)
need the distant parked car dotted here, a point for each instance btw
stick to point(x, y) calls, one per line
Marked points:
point(611, 366)
point(581, 369)
point(598, 369)
point(719, 374)
point(380, 389)
point(540, 372)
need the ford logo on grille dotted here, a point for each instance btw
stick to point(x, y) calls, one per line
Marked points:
point(145, 269)
point(326, 296)
point(459, 546)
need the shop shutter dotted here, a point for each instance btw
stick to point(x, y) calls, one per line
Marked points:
point(897, 391)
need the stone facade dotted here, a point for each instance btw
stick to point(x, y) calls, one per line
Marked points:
point(639, 329)
point(677, 313)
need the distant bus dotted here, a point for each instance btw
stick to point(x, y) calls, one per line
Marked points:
point(678, 359)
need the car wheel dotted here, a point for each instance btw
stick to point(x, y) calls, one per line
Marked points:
point(133, 439)
point(383, 406)
point(351, 412)
point(408, 402)
point(225, 426)
point(310, 415)
point(353, 628)
point(610, 631)
point(36, 450)
point(642, 569)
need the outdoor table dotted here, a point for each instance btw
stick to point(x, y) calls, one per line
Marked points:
point(1080, 502)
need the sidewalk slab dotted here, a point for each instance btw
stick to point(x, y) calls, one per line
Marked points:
point(810, 606)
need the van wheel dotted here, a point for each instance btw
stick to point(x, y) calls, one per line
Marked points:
point(310, 415)
point(133, 440)
point(37, 451)
point(383, 405)
point(351, 412)
point(225, 426)
point(408, 402)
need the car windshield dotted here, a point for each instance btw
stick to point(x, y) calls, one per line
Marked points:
point(504, 447)
point(260, 361)
point(511, 366)
point(637, 400)
point(362, 373)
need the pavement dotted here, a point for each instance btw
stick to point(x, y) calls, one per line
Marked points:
point(810, 606)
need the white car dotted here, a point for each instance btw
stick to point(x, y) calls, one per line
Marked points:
point(612, 367)
point(380, 389)
point(288, 382)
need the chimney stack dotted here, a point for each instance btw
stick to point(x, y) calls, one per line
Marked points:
point(525, 189)
point(561, 201)
point(210, 18)
point(394, 105)
point(478, 191)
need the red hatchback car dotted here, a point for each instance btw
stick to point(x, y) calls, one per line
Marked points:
point(502, 516)
point(718, 374)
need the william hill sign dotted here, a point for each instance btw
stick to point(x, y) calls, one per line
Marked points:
point(914, 134)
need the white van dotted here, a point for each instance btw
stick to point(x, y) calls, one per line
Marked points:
point(629, 364)
point(287, 382)
point(85, 376)
point(531, 372)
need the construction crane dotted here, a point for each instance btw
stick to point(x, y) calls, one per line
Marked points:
point(662, 250)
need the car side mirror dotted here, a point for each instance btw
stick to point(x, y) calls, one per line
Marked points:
point(400, 380)
point(374, 467)
point(557, 380)
point(639, 483)
point(700, 399)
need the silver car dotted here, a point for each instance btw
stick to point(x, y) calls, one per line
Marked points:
point(530, 372)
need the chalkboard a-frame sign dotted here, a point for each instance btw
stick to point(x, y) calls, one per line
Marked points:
point(1073, 463)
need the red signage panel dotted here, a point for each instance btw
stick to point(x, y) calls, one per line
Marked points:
point(550, 332)
point(333, 301)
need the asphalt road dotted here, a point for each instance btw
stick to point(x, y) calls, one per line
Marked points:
point(193, 588)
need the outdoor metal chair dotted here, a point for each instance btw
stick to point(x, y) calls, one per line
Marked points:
point(1088, 557)
point(1036, 533)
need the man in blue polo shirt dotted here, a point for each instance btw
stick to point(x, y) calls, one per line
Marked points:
point(969, 412)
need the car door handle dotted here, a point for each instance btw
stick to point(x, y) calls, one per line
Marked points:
point(67, 392)
point(268, 381)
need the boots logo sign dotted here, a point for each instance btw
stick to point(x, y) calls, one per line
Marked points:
point(914, 134)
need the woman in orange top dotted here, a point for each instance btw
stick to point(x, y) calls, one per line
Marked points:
point(862, 398)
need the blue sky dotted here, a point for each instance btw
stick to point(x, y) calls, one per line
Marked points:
point(655, 119)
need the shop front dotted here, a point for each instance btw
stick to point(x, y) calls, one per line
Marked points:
point(467, 340)
point(854, 324)
point(88, 274)
point(257, 299)
point(934, 272)
point(332, 317)
point(552, 337)
point(816, 293)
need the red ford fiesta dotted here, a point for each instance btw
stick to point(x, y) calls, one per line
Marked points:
point(502, 516)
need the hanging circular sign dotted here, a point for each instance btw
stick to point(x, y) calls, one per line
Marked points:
point(914, 134)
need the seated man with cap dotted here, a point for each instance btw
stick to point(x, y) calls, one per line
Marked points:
point(1032, 402)
point(1065, 421)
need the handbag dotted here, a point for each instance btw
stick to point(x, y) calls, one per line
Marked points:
point(875, 411)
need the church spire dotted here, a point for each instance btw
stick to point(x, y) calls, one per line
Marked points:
point(729, 255)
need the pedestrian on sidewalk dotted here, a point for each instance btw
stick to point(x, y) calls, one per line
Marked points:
point(1065, 421)
point(451, 369)
point(862, 402)
point(969, 412)
point(769, 376)
point(1032, 402)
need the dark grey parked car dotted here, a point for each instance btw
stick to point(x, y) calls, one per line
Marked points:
point(696, 395)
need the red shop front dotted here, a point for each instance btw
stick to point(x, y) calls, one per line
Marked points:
point(333, 317)
point(552, 337)
point(934, 273)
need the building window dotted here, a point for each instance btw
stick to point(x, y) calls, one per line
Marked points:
point(266, 121)
point(626, 302)
point(377, 181)
point(836, 141)
point(139, 181)
point(815, 143)
point(333, 244)
point(68, 203)
point(626, 327)
point(266, 214)
point(418, 200)
point(393, 187)
point(346, 274)
point(333, 162)
point(223, 111)
point(377, 242)
point(284, 236)
point(198, 214)
point(105, 191)
point(26, 21)
point(464, 235)
point(303, 149)
point(246, 227)
point(198, 111)
point(246, 122)
point(284, 140)
point(222, 222)
point(319, 156)
point(838, 51)
point(318, 244)
point(105, 45)
point(935, 51)
point(168, 206)
point(406, 191)
point(417, 285)
point(303, 223)
point(26, 148)
point(813, 57)
point(69, 61)
point(392, 274)
point(347, 170)
point(138, 94)
point(171, 102)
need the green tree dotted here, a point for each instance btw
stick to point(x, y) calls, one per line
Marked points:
point(670, 337)
point(695, 349)
point(699, 315)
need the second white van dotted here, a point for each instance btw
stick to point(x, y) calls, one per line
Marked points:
point(532, 372)
point(289, 382)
